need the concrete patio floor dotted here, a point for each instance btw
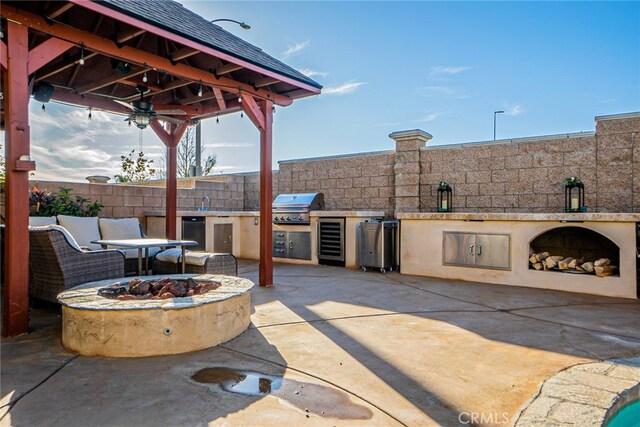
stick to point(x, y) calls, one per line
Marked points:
point(354, 348)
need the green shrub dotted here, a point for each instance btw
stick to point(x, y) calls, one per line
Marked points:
point(45, 203)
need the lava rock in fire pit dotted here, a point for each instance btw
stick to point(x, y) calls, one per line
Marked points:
point(113, 291)
point(138, 289)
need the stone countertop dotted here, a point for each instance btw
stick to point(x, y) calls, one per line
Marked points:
point(569, 217)
point(206, 213)
point(85, 297)
point(351, 214)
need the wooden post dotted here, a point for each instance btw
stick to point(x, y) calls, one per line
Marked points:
point(16, 86)
point(171, 192)
point(171, 138)
point(266, 195)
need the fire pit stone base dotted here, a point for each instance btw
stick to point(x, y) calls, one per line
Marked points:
point(96, 326)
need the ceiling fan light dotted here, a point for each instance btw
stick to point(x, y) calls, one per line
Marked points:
point(141, 120)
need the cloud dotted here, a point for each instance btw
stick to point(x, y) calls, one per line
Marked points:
point(343, 88)
point(311, 73)
point(429, 117)
point(441, 70)
point(514, 109)
point(296, 48)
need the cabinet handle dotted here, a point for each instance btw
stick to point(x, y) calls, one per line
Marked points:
point(470, 249)
point(479, 252)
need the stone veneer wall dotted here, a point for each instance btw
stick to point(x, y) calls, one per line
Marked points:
point(518, 175)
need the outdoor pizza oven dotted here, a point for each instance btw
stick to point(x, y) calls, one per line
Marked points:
point(294, 208)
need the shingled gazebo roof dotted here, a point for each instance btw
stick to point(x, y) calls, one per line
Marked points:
point(172, 16)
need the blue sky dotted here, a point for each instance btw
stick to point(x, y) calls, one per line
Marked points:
point(443, 67)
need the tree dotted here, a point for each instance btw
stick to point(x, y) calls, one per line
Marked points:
point(186, 157)
point(135, 170)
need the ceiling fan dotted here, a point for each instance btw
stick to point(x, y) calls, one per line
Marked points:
point(143, 112)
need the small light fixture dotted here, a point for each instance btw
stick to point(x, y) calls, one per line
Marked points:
point(574, 202)
point(81, 60)
point(200, 90)
point(242, 25)
point(217, 120)
point(144, 76)
point(43, 107)
point(141, 120)
point(444, 197)
point(89, 113)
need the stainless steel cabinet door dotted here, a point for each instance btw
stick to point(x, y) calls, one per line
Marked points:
point(223, 238)
point(458, 248)
point(493, 251)
point(299, 244)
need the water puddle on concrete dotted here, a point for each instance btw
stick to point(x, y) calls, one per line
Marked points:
point(311, 398)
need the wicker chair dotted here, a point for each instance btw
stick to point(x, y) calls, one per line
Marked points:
point(55, 265)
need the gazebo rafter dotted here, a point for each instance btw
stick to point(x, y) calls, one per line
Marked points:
point(94, 54)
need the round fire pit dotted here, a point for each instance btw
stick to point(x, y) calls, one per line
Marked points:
point(96, 326)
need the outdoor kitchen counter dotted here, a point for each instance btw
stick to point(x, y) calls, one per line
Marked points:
point(206, 213)
point(348, 214)
point(496, 247)
point(586, 216)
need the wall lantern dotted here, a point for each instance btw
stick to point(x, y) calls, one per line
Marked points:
point(574, 195)
point(444, 197)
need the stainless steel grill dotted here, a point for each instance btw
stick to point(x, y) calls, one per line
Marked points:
point(295, 208)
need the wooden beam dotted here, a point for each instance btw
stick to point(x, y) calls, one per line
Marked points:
point(265, 82)
point(229, 68)
point(219, 98)
point(46, 52)
point(135, 83)
point(136, 56)
point(58, 68)
point(166, 88)
point(16, 103)
point(168, 34)
point(253, 111)
point(3, 54)
point(57, 10)
point(127, 35)
point(183, 53)
point(108, 81)
point(265, 268)
point(195, 99)
point(170, 135)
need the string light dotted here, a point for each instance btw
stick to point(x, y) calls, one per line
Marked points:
point(81, 61)
point(241, 115)
point(89, 113)
point(144, 76)
point(200, 90)
point(43, 107)
point(217, 120)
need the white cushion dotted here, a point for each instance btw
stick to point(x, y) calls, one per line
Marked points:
point(191, 257)
point(170, 255)
point(133, 253)
point(122, 228)
point(40, 221)
point(64, 232)
point(83, 229)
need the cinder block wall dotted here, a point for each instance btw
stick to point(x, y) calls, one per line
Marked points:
point(123, 200)
point(518, 175)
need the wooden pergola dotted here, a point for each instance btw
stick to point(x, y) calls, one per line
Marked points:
point(93, 54)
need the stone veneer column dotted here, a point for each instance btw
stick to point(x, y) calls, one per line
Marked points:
point(407, 168)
